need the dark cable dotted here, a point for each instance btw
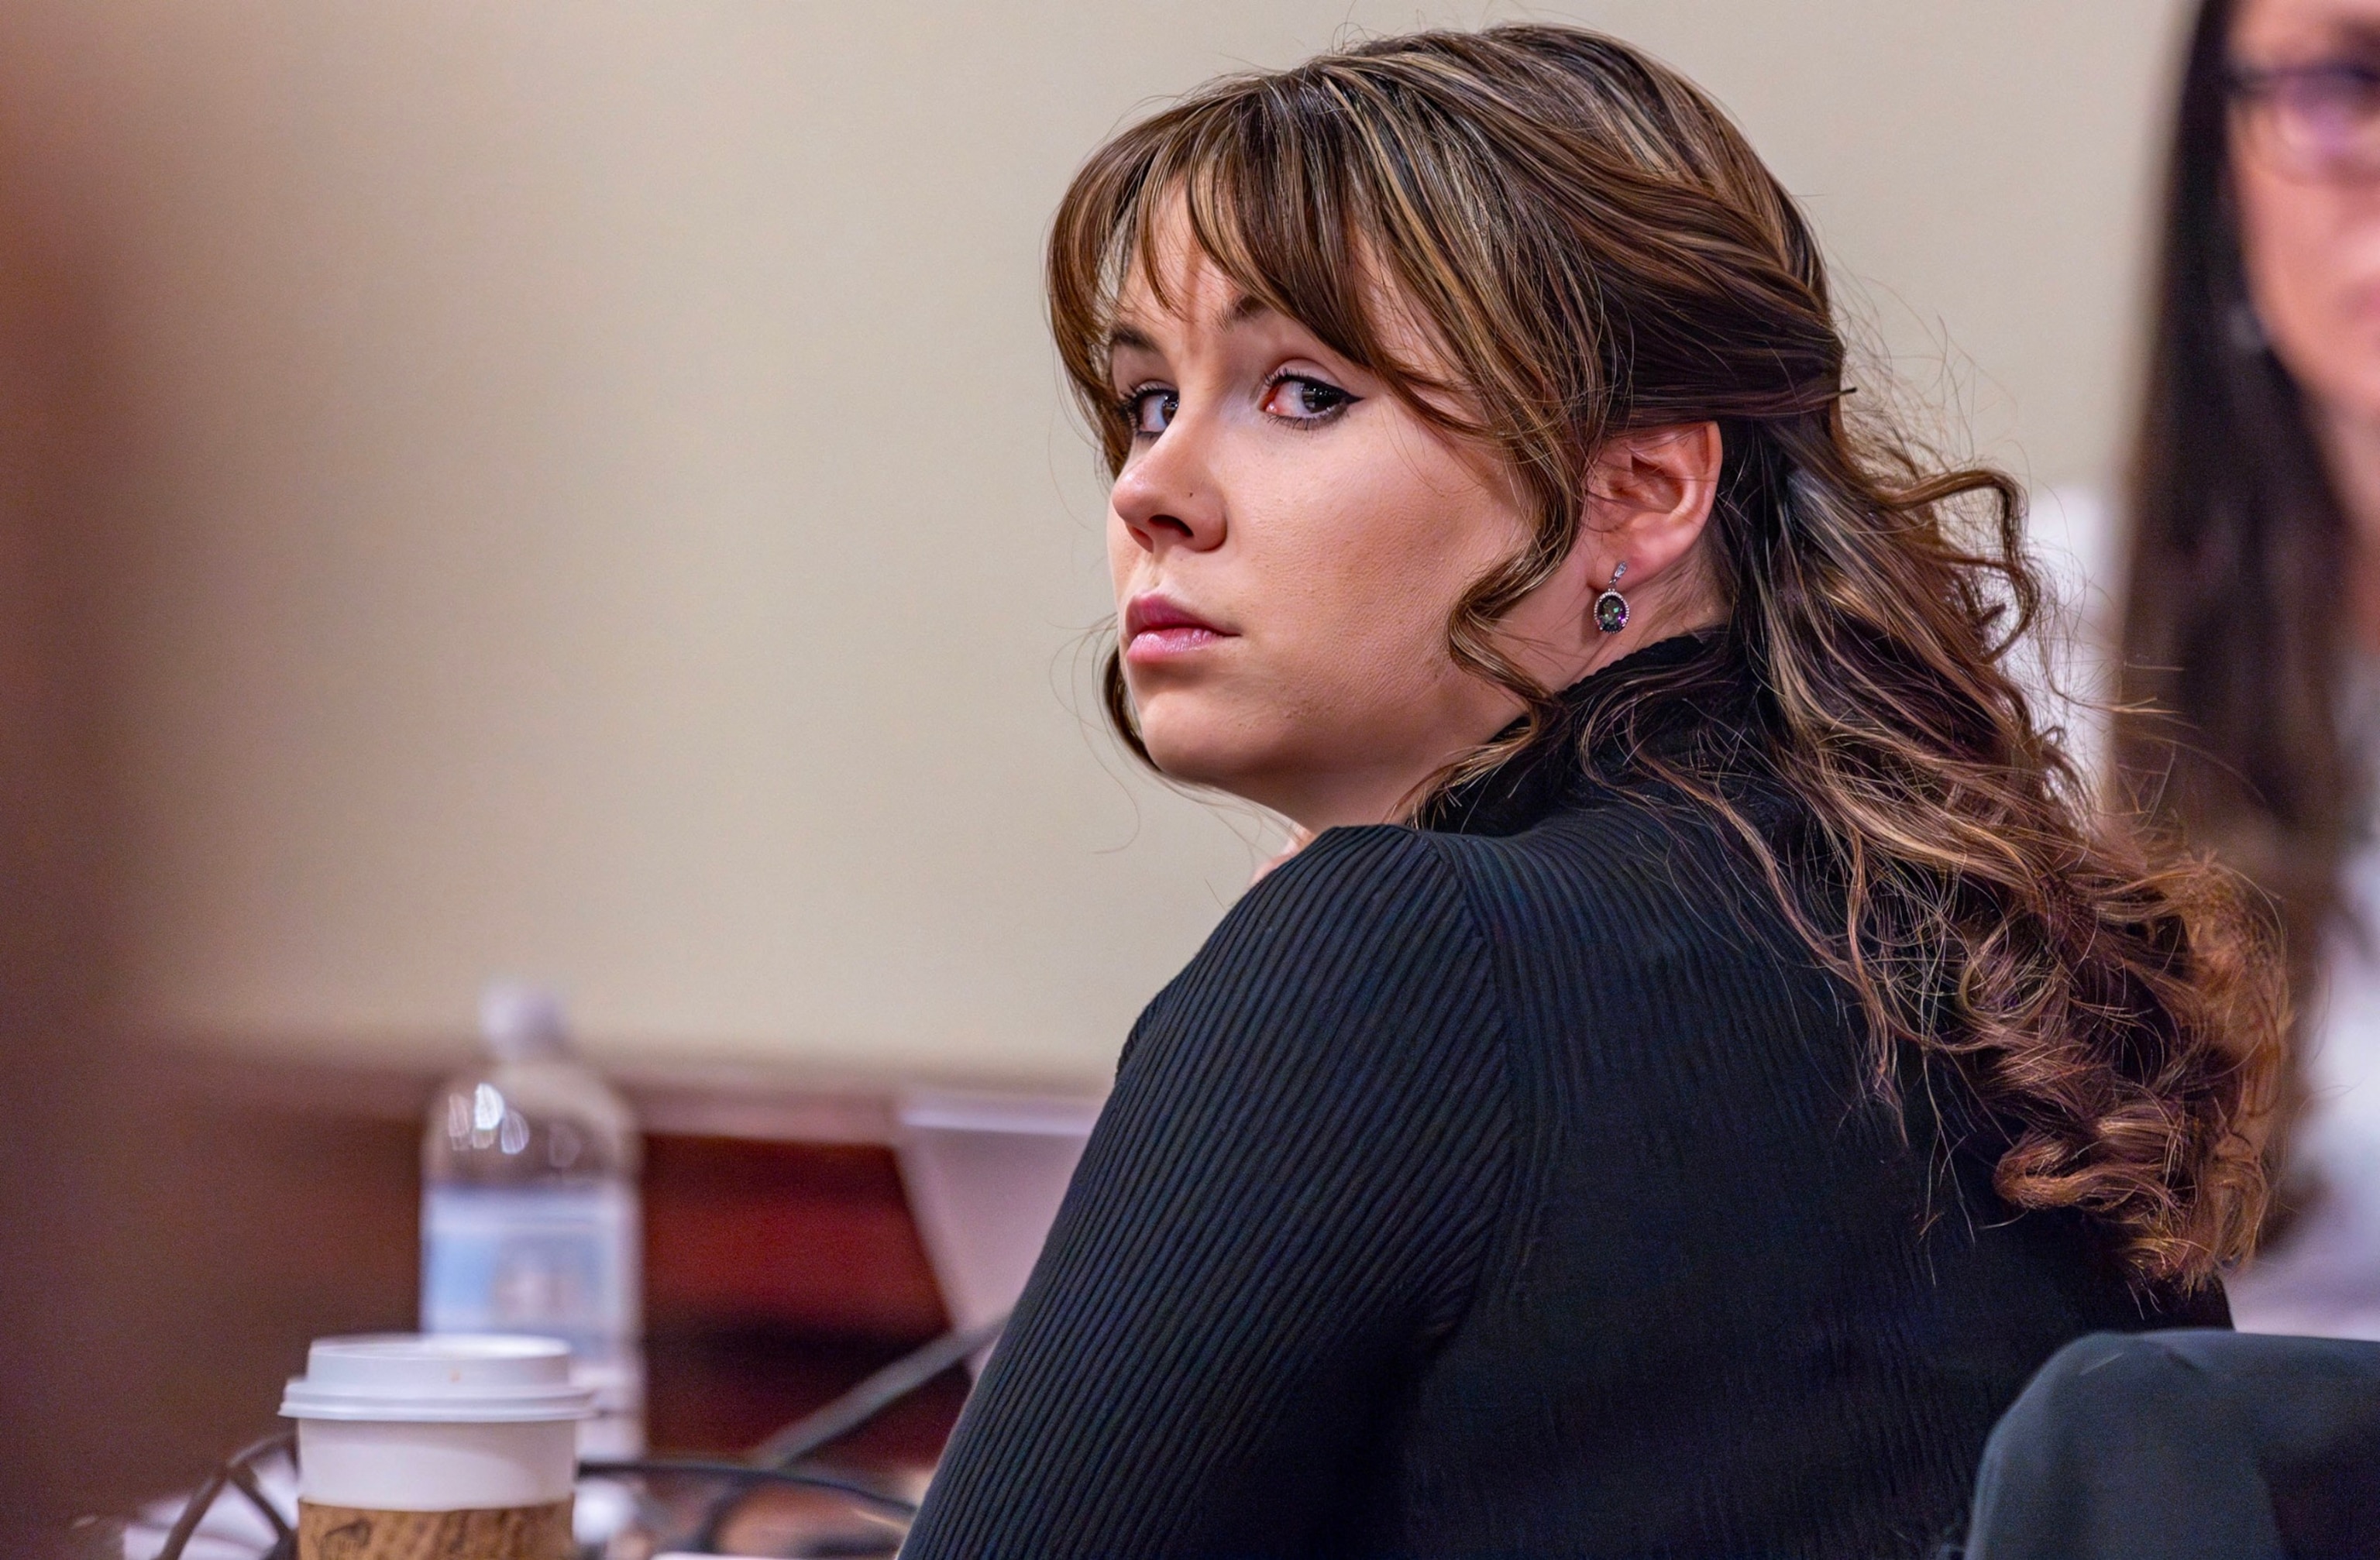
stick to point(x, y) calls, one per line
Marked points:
point(877, 1393)
point(232, 1471)
point(246, 1483)
point(742, 1473)
point(839, 1417)
point(179, 1538)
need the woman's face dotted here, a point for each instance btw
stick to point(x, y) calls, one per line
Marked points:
point(1288, 541)
point(2309, 196)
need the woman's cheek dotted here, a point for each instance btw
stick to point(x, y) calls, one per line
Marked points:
point(2298, 291)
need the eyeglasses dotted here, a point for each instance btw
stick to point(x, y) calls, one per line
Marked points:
point(2317, 121)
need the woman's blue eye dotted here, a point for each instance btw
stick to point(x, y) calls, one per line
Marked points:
point(1304, 400)
point(1151, 411)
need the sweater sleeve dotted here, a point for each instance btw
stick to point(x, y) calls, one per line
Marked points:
point(1285, 1206)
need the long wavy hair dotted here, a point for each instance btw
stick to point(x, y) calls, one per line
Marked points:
point(1593, 247)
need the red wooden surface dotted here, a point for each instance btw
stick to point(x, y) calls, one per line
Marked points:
point(810, 1236)
point(777, 1274)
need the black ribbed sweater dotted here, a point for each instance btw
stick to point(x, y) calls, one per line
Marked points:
point(1511, 1190)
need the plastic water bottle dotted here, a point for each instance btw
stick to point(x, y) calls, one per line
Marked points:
point(529, 1217)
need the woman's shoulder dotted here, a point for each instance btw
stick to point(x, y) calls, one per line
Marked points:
point(1388, 928)
point(1613, 854)
point(1632, 914)
point(1376, 891)
point(1364, 938)
point(1359, 893)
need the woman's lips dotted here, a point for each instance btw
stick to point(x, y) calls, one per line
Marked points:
point(1156, 628)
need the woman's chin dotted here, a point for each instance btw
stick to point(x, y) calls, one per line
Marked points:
point(1196, 764)
point(1200, 751)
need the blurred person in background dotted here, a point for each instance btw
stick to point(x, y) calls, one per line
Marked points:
point(1702, 1058)
point(2252, 630)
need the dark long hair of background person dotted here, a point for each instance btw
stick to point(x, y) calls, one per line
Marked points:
point(2237, 603)
point(2236, 607)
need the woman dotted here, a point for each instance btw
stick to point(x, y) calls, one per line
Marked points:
point(1698, 1064)
point(2252, 640)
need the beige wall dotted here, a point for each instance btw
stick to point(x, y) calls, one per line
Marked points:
point(599, 505)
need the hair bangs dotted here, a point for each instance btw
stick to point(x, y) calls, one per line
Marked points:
point(1280, 188)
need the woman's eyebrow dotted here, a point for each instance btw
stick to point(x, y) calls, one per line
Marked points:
point(1129, 338)
point(1246, 308)
point(1124, 336)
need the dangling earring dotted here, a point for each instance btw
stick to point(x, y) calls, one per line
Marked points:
point(1612, 608)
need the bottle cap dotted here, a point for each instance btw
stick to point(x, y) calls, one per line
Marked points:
point(519, 1022)
point(437, 1378)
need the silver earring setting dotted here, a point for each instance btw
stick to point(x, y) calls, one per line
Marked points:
point(1612, 608)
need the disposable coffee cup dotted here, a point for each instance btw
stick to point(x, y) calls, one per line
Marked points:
point(459, 1446)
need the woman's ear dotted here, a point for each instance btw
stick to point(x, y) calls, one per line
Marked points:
point(1648, 496)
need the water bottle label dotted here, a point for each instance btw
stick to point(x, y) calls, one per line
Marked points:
point(557, 1261)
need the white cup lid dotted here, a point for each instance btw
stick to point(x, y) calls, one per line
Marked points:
point(437, 1378)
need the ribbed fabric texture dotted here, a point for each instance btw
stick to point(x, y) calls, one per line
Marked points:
point(1510, 1193)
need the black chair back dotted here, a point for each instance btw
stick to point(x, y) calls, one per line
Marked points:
point(2191, 1445)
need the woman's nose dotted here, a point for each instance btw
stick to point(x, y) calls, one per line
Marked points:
point(1168, 497)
